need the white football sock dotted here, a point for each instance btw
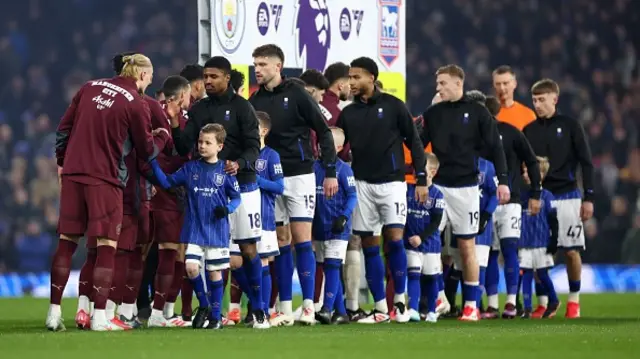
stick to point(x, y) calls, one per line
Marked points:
point(470, 303)
point(492, 301)
point(110, 311)
point(55, 310)
point(399, 298)
point(381, 306)
point(168, 310)
point(308, 303)
point(574, 297)
point(286, 307)
point(352, 269)
point(84, 304)
point(234, 306)
point(99, 316)
point(543, 300)
point(126, 310)
point(511, 299)
point(157, 313)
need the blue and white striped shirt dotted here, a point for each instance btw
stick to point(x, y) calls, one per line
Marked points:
point(271, 182)
point(535, 229)
point(488, 184)
point(419, 217)
point(341, 204)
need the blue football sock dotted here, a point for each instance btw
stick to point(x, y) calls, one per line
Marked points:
point(331, 282)
point(543, 275)
point(509, 248)
point(413, 289)
point(339, 305)
point(253, 271)
point(451, 285)
point(469, 292)
point(306, 266)
point(440, 279)
point(266, 288)
point(483, 271)
point(200, 288)
point(240, 275)
point(284, 269)
point(216, 292)
point(374, 272)
point(574, 286)
point(540, 290)
point(398, 265)
point(431, 286)
point(492, 276)
point(527, 279)
point(445, 270)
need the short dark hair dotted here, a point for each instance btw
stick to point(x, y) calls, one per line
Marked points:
point(493, 105)
point(451, 70)
point(269, 50)
point(367, 64)
point(378, 84)
point(116, 61)
point(545, 86)
point(314, 78)
point(192, 72)
point(476, 96)
point(264, 119)
point(237, 79)
point(217, 130)
point(173, 85)
point(504, 69)
point(336, 71)
point(220, 63)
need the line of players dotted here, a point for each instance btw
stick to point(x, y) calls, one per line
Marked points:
point(382, 198)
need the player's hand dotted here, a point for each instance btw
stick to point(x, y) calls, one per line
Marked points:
point(231, 167)
point(173, 109)
point(534, 206)
point(221, 212)
point(415, 241)
point(154, 191)
point(484, 220)
point(338, 225)
point(503, 193)
point(160, 130)
point(586, 210)
point(60, 176)
point(552, 247)
point(422, 192)
point(330, 187)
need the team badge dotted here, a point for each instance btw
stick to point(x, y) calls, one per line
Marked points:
point(389, 31)
point(285, 103)
point(229, 23)
point(227, 115)
point(429, 203)
point(195, 177)
point(480, 178)
point(218, 179)
point(380, 113)
point(261, 165)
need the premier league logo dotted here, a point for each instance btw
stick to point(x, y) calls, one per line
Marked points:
point(218, 179)
point(261, 165)
point(313, 33)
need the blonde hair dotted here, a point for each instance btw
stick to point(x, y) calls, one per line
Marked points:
point(133, 65)
point(543, 162)
point(338, 136)
point(432, 159)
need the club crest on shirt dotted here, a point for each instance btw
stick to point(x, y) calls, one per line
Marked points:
point(218, 179)
point(428, 203)
point(480, 178)
point(195, 177)
point(261, 165)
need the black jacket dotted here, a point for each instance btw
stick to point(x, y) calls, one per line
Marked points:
point(236, 114)
point(458, 131)
point(293, 115)
point(517, 150)
point(562, 140)
point(375, 131)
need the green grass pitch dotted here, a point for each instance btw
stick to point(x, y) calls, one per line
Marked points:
point(610, 328)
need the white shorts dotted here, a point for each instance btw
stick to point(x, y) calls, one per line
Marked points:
point(268, 245)
point(379, 204)
point(570, 228)
point(246, 221)
point(482, 256)
point(298, 202)
point(507, 220)
point(331, 249)
point(463, 210)
point(534, 258)
point(425, 263)
point(215, 259)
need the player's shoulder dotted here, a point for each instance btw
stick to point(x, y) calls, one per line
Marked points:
point(200, 105)
point(386, 97)
point(566, 120)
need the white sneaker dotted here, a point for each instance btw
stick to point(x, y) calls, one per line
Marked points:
point(281, 320)
point(431, 317)
point(308, 316)
point(158, 321)
point(226, 322)
point(297, 313)
point(443, 306)
point(402, 314)
point(55, 323)
point(375, 317)
point(105, 326)
point(177, 321)
point(261, 324)
point(414, 316)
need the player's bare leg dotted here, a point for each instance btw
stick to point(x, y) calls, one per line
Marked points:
point(167, 253)
point(284, 270)
point(60, 270)
point(102, 281)
point(352, 273)
point(574, 272)
point(305, 265)
point(85, 285)
point(470, 275)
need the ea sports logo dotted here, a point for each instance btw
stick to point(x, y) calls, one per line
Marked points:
point(345, 23)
